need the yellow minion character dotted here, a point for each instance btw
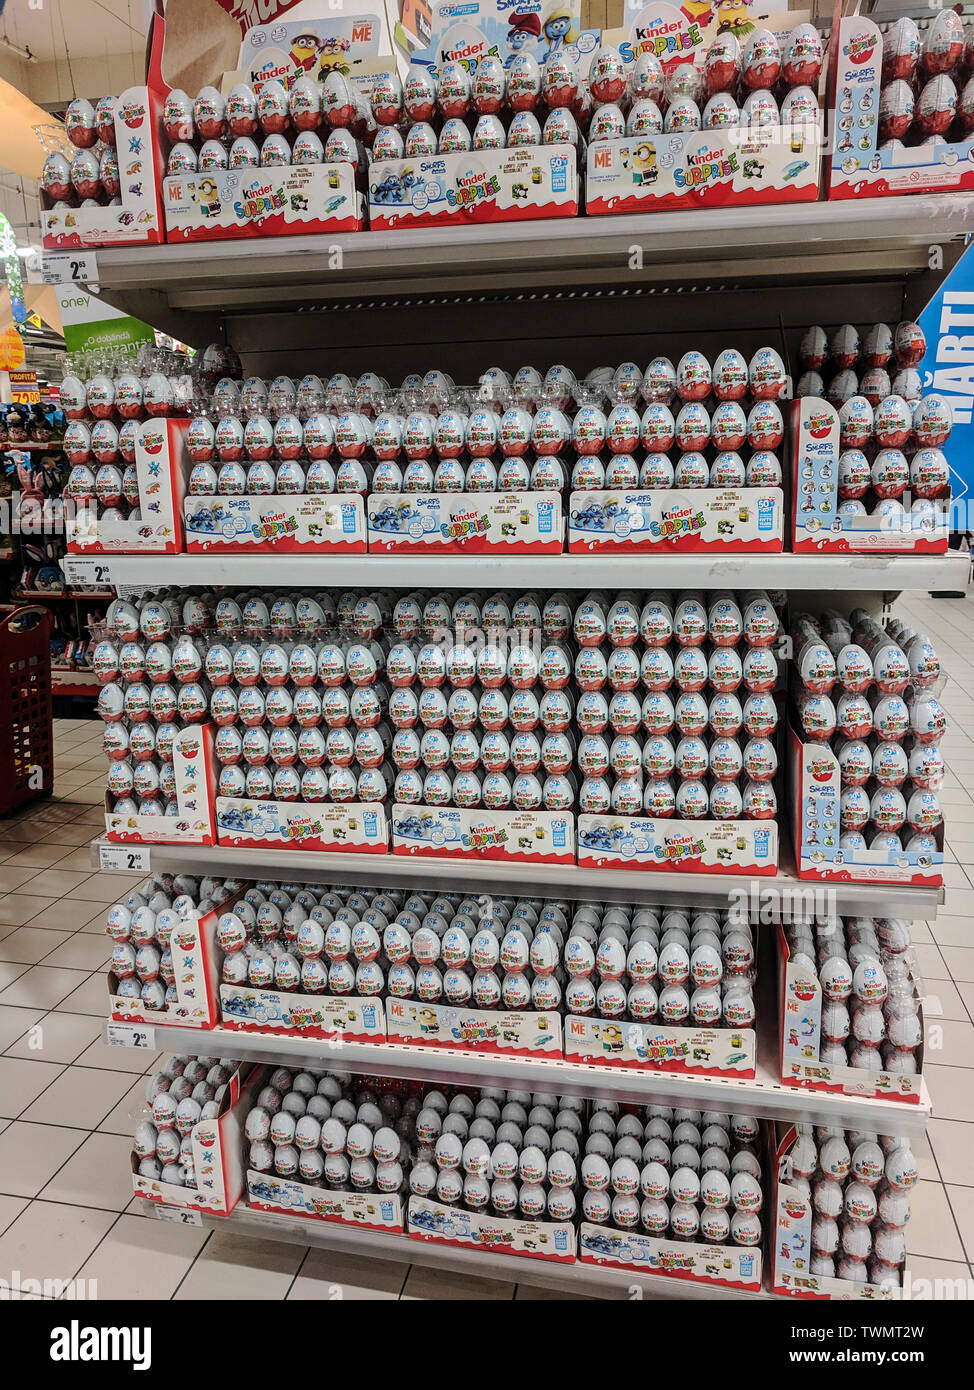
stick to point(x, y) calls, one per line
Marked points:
point(732, 14)
point(208, 198)
point(699, 12)
point(610, 1037)
point(640, 160)
point(304, 51)
point(332, 57)
point(427, 1020)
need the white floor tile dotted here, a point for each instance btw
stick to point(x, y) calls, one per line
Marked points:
point(233, 1266)
point(143, 1258)
point(327, 1275)
point(30, 1155)
point(51, 1242)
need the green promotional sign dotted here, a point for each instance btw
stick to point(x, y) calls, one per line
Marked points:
point(89, 322)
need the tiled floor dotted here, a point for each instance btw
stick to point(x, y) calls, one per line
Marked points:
point(68, 1103)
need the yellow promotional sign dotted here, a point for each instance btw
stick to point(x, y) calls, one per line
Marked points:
point(12, 353)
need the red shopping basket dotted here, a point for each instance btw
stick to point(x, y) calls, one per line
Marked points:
point(26, 722)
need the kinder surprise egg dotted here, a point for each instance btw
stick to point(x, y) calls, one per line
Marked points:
point(803, 57)
point(938, 102)
point(932, 421)
point(943, 43)
point(241, 113)
point(606, 78)
point(855, 423)
point(524, 83)
point(897, 108)
point(761, 65)
point(177, 116)
point(730, 378)
point(766, 374)
point(454, 90)
point(693, 377)
point(79, 123)
point(489, 86)
point(683, 114)
point(56, 177)
point(720, 111)
point(722, 63)
point(559, 83)
point(209, 115)
point(901, 49)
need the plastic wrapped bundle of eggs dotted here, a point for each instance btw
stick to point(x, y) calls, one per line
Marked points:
point(91, 176)
point(508, 1154)
point(308, 939)
point(187, 1091)
point(141, 929)
point(926, 86)
point(681, 1174)
point(697, 739)
point(306, 123)
point(330, 1130)
point(857, 1185)
point(869, 692)
point(870, 1016)
point(775, 84)
point(660, 965)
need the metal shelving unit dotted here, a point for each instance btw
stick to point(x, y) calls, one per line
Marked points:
point(862, 573)
point(763, 1097)
point(583, 291)
point(554, 880)
point(594, 1281)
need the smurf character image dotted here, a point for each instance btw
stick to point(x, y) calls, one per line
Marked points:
point(304, 52)
point(559, 30)
point(523, 35)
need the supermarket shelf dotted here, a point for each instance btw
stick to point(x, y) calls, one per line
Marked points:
point(764, 1097)
point(857, 573)
point(555, 880)
point(750, 244)
point(588, 1280)
point(46, 596)
point(74, 683)
point(55, 447)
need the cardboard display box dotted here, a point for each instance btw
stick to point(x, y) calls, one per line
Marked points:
point(497, 1031)
point(537, 1240)
point(162, 468)
point(670, 845)
point(710, 520)
point(816, 782)
point(746, 167)
point(323, 524)
point(196, 962)
point(460, 523)
point(196, 776)
point(733, 1266)
point(524, 837)
point(857, 167)
point(791, 1235)
point(372, 1211)
point(352, 826)
point(245, 1009)
point(816, 525)
point(440, 190)
point(801, 1042)
point(218, 1148)
point(137, 219)
point(660, 1047)
point(296, 199)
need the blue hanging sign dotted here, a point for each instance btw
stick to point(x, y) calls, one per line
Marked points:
point(947, 367)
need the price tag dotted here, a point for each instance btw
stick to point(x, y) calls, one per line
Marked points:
point(131, 1035)
point(69, 267)
point(121, 857)
point(183, 1216)
point(87, 569)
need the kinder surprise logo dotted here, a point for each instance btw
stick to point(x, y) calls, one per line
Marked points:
point(860, 48)
point(820, 768)
point(819, 426)
point(132, 114)
point(803, 990)
point(186, 940)
point(152, 441)
point(796, 1210)
point(189, 748)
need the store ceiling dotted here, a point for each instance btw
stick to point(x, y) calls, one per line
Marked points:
point(82, 29)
